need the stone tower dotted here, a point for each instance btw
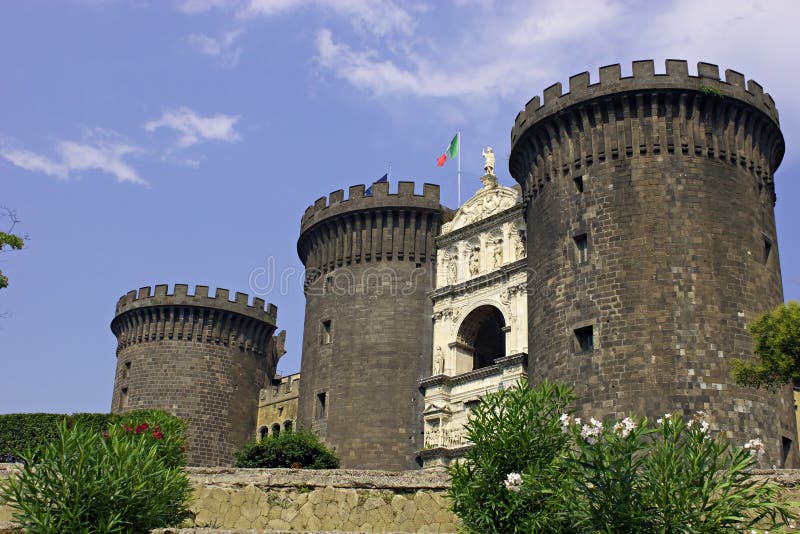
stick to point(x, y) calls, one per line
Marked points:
point(652, 243)
point(369, 262)
point(199, 357)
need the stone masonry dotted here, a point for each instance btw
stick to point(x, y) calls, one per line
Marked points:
point(652, 243)
point(199, 357)
point(367, 337)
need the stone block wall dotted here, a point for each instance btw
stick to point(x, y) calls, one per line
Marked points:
point(237, 501)
point(370, 261)
point(652, 244)
point(202, 358)
point(292, 500)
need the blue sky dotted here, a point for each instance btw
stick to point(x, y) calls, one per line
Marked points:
point(147, 142)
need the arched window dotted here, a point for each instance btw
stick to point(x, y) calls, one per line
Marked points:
point(276, 429)
point(483, 333)
point(287, 425)
point(262, 432)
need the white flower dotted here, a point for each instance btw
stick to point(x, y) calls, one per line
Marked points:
point(566, 420)
point(624, 427)
point(699, 418)
point(756, 446)
point(513, 482)
point(591, 431)
point(662, 419)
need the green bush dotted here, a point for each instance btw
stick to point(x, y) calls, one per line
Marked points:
point(532, 470)
point(20, 431)
point(85, 482)
point(673, 477)
point(158, 422)
point(298, 449)
point(516, 431)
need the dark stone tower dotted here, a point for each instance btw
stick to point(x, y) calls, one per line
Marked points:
point(652, 243)
point(367, 339)
point(199, 357)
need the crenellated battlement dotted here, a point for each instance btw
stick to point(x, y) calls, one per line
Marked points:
point(365, 228)
point(646, 115)
point(357, 199)
point(644, 77)
point(160, 296)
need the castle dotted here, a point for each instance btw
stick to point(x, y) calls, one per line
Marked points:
point(639, 243)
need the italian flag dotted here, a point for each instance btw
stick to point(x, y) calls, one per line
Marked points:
point(450, 153)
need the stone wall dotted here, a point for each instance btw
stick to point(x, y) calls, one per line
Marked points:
point(312, 501)
point(277, 405)
point(202, 358)
point(232, 501)
point(370, 261)
point(652, 245)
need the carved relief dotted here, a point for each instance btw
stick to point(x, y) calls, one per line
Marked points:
point(519, 245)
point(438, 361)
point(498, 253)
point(474, 261)
point(490, 199)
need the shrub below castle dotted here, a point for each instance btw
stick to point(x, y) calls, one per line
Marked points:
point(20, 431)
point(126, 479)
point(537, 468)
point(299, 450)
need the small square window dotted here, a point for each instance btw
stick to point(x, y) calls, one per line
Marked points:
point(320, 410)
point(326, 337)
point(584, 338)
point(581, 248)
point(123, 397)
point(767, 249)
point(578, 184)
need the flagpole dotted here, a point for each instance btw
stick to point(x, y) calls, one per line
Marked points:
point(459, 170)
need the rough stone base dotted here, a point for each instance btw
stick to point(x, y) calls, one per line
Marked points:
point(272, 501)
point(292, 500)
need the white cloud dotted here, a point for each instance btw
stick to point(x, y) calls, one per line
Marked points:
point(73, 157)
point(192, 7)
point(376, 17)
point(194, 128)
point(513, 50)
point(223, 48)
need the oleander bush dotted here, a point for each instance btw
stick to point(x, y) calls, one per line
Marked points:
point(536, 467)
point(299, 449)
point(21, 431)
point(517, 433)
point(126, 479)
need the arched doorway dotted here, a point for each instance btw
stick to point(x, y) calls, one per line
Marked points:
point(482, 336)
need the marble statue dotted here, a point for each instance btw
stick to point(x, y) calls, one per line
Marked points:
point(474, 261)
point(488, 156)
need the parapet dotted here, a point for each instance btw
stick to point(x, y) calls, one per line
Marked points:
point(336, 204)
point(644, 78)
point(159, 296)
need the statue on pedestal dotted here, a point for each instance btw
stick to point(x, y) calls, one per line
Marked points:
point(488, 156)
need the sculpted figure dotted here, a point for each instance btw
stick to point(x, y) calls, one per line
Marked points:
point(491, 201)
point(498, 253)
point(488, 156)
point(520, 245)
point(438, 362)
point(474, 261)
point(452, 270)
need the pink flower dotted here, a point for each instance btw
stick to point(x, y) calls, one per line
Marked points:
point(157, 434)
point(141, 428)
